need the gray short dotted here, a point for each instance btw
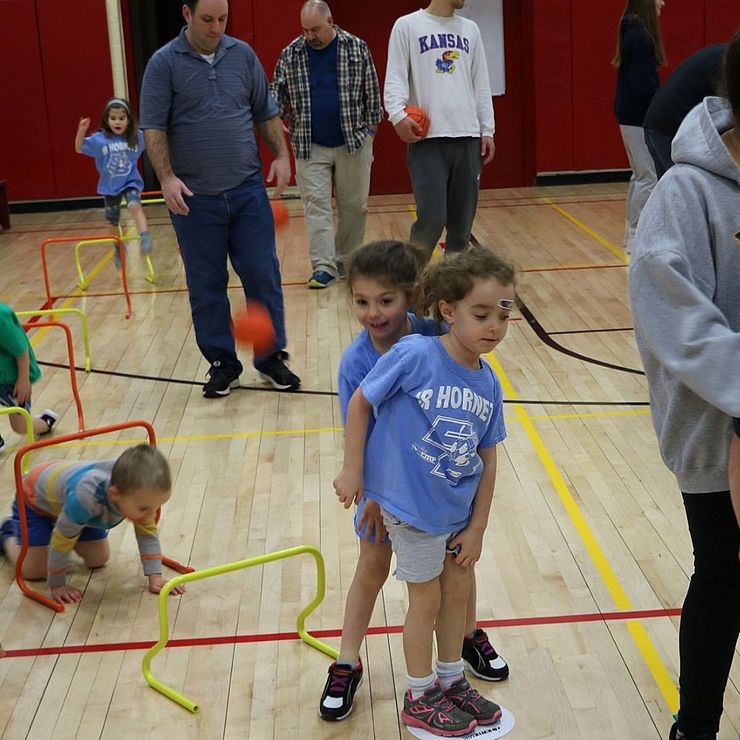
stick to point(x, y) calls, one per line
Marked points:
point(420, 556)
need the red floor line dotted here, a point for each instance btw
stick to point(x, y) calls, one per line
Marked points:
point(392, 629)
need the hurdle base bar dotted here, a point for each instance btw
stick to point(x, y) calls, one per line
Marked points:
point(217, 570)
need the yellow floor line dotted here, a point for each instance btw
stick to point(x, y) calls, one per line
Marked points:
point(642, 641)
point(620, 253)
point(325, 430)
point(206, 437)
point(78, 293)
point(590, 415)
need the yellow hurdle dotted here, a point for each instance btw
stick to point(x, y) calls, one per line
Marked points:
point(217, 570)
point(83, 320)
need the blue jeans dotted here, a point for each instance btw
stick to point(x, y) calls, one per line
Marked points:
point(237, 224)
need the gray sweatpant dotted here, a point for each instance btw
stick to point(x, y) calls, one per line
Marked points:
point(445, 176)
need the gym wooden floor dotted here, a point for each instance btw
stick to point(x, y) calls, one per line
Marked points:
point(587, 555)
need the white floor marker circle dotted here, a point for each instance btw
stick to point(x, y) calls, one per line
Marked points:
point(489, 732)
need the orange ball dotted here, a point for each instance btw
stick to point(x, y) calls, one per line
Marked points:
point(253, 325)
point(418, 115)
point(280, 214)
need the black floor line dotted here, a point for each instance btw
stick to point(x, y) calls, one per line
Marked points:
point(182, 381)
point(547, 339)
point(590, 331)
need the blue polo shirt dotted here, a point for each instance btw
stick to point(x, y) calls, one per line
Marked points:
point(208, 111)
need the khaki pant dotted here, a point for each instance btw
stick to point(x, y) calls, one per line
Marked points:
point(348, 175)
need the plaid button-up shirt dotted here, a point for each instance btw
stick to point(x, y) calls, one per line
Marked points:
point(359, 92)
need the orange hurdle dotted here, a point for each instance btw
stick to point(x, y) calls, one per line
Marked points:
point(21, 500)
point(87, 239)
point(71, 353)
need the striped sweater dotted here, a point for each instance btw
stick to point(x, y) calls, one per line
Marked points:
point(76, 495)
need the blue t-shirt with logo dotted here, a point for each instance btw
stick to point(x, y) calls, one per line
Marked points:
point(360, 357)
point(432, 416)
point(116, 161)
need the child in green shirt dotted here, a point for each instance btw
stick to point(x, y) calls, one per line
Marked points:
point(18, 371)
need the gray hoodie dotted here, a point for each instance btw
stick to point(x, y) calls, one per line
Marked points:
point(684, 285)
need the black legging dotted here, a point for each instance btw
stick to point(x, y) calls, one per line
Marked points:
point(710, 621)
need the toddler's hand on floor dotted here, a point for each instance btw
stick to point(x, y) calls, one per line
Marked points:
point(66, 594)
point(156, 584)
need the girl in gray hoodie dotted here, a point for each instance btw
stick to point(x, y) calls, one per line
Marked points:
point(684, 285)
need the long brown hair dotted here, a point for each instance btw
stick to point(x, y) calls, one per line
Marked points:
point(647, 15)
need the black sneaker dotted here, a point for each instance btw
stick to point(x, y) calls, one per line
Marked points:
point(482, 660)
point(2, 443)
point(275, 371)
point(339, 691)
point(676, 734)
point(220, 380)
point(50, 418)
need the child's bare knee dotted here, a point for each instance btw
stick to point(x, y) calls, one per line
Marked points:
point(374, 564)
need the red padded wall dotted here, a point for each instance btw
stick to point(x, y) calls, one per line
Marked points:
point(25, 152)
point(573, 44)
point(556, 114)
point(78, 81)
point(553, 85)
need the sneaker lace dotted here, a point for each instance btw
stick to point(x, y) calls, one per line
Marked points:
point(484, 645)
point(445, 705)
point(340, 678)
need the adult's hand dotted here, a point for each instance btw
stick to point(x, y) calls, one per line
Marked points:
point(173, 190)
point(408, 130)
point(280, 173)
point(487, 149)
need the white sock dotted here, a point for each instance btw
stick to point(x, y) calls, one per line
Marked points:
point(418, 686)
point(450, 672)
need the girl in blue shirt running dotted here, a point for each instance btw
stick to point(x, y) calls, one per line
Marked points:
point(116, 146)
point(430, 463)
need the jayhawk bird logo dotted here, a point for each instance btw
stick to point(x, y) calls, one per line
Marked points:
point(446, 65)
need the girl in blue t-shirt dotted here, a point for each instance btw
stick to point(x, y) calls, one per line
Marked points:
point(383, 284)
point(116, 146)
point(430, 462)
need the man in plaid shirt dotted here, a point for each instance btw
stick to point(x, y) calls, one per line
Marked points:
point(327, 89)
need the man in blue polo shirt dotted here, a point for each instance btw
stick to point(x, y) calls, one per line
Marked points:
point(202, 95)
point(327, 89)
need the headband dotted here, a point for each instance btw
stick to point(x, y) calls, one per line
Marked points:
point(118, 103)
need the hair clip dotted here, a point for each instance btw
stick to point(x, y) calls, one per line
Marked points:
point(507, 304)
